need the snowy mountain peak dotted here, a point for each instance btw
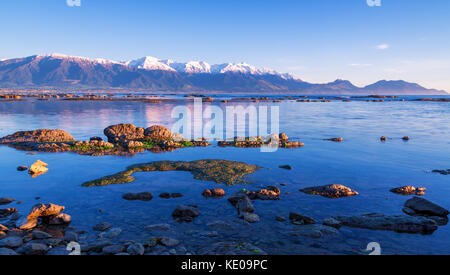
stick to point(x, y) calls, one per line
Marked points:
point(77, 58)
point(151, 63)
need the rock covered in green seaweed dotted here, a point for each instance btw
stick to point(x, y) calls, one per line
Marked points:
point(219, 171)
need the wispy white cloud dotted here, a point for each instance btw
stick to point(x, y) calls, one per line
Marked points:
point(359, 65)
point(383, 47)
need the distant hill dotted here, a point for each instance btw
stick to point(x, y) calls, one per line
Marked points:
point(152, 74)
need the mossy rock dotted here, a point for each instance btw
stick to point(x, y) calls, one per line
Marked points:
point(219, 171)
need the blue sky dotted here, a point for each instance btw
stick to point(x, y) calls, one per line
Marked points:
point(317, 40)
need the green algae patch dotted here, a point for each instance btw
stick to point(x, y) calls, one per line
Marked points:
point(219, 171)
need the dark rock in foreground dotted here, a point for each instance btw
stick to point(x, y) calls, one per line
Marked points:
point(409, 190)
point(5, 201)
point(300, 219)
point(232, 248)
point(185, 214)
point(442, 172)
point(144, 196)
point(170, 195)
point(397, 223)
point(332, 191)
point(421, 206)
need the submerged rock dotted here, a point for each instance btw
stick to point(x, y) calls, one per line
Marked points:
point(332, 191)
point(185, 214)
point(313, 231)
point(144, 196)
point(409, 190)
point(300, 219)
point(11, 242)
point(103, 226)
point(6, 212)
point(338, 139)
point(170, 195)
point(38, 168)
point(421, 206)
point(442, 172)
point(219, 171)
point(397, 223)
point(22, 168)
point(5, 201)
point(286, 167)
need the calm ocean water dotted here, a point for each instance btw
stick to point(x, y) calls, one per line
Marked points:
point(361, 162)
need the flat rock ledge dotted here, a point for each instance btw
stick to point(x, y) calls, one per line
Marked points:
point(219, 171)
point(123, 139)
point(397, 223)
point(333, 191)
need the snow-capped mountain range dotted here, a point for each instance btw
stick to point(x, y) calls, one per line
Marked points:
point(154, 74)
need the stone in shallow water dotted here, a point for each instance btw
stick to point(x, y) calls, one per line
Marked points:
point(314, 231)
point(397, 223)
point(144, 196)
point(35, 249)
point(113, 249)
point(421, 206)
point(442, 172)
point(5, 201)
point(158, 227)
point(38, 168)
point(6, 212)
point(103, 226)
point(40, 235)
point(300, 219)
point(169, 242)
point(136, 249)
point(332, 191)
point(409, 190)
point(185, 214)
point(7, 252)
point(11, 242)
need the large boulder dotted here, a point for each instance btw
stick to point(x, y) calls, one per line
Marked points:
point(421, 206)
point(397, 223)
point(39, 211)
point(42, 135)
point(158, 132)
point(332, 191)
point(123, 132)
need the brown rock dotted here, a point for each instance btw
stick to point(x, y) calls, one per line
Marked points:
point(22, 168)
point(123, 132)
point(60, 219)
point(339, 139)
point(158, 132)
point(283, 137)
point(409, 190)
point(42, 135)
point(270, 193)
point(333, 191)
point(38, 168)
point(213, 193)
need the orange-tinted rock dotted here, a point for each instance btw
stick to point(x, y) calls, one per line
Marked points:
point(42, 135)
point(333, 191)
point(158, 132)
point(409, 190)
